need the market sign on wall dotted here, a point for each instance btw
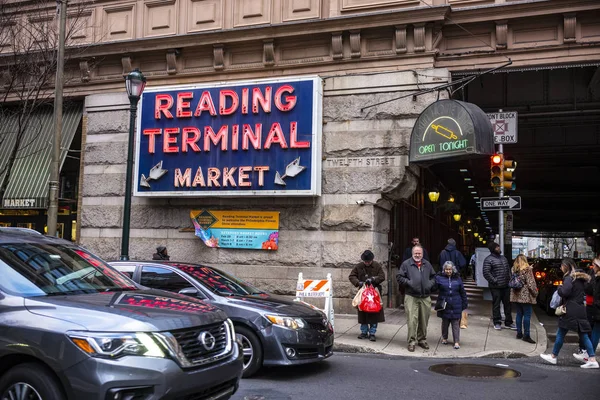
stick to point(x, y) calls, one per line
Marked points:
point(240, 138)
point(450, 129)
point(237, 229)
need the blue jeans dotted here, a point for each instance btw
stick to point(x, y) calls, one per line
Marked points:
point(583, 338)
point(523, 318)
point(595, 335)
point(370, 329)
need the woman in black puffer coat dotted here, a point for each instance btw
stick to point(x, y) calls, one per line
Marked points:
point(452, 292)
point(575, 319)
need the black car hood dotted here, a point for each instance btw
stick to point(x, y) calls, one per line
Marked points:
point(127, 311)
point(274, 304)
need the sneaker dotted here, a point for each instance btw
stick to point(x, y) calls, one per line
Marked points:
point(528, 339)
point(372, 338)
point(456, 346)
point(444, 341)
point(512, 326)
point(411, 347)
point(363, 336)
point(591, 364)
point(497, 327)
point(519, 336)
point(549, 358)
point(424, 345)
point(583, 356)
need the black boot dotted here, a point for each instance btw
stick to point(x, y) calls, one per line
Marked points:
point(363, 336)
point(528, 339)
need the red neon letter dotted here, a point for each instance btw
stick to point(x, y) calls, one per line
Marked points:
point(247, 134)
point(170, 138)
point(223, 110)
point(151, 139)
point(159, 106)
point(209, 135)
point(257, 97)
point(275, 136)
point(190, 136)
point(205, 104)
point(244, 100)
point(294, 143)
point(181, 104)
point(235, 134)
point(290, 101)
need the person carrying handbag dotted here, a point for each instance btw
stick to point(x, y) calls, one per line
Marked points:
point(451, 301)
point(368, 272)
point(523, 297)
point(575, 317)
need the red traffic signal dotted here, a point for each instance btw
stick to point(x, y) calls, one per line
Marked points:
point(497, 171)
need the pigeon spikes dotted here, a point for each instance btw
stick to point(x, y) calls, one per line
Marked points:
point(291, 170)
point(155, 174)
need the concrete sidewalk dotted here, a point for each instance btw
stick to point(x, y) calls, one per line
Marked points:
point(479, 339)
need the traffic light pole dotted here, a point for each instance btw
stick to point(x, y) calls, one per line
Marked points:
point(501, 212)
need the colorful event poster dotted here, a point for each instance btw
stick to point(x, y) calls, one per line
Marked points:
point(237, 229)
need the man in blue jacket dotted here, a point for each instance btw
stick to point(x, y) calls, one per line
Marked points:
point(418, 277)
point(450, 253)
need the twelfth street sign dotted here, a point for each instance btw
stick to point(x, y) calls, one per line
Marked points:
point(504, 203)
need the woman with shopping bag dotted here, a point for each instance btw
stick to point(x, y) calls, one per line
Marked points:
point(573, 316)
point(364, 274)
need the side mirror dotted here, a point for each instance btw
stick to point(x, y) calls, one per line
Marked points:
point(191, 291)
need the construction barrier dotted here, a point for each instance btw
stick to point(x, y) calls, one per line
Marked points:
point(306, 288)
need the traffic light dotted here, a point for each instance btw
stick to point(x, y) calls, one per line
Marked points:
point(508, 175)
point(496, 171)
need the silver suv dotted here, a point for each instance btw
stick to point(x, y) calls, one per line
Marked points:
point(71, 327)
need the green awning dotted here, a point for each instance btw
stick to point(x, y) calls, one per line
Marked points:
point(28, 182)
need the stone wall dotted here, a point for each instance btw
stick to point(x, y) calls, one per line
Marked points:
point(365, 153)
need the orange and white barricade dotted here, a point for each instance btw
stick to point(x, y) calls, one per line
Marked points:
point(313, 288)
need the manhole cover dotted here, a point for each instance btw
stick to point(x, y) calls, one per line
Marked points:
point(474, 371)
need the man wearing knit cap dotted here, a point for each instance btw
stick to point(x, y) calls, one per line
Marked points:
point(368, 272)
point(496, 270)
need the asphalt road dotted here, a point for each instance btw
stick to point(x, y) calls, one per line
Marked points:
point(363, 376)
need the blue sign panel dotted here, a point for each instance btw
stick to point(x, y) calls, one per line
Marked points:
point(250, 138)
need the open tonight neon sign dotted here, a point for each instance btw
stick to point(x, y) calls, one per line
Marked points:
point(241, 138)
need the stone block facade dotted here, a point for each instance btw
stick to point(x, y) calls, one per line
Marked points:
point(364, 170)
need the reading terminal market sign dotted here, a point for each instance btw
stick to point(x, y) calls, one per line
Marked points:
point(448, 130)
point(260, 137)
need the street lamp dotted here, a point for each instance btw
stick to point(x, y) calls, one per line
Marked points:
point(433, 195)
point(457, 216)
point(135, 82)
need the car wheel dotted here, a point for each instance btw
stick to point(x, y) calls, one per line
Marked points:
point(29, 382)
point(253, 354)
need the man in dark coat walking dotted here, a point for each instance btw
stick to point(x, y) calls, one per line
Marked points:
point(368, 272)
point(418, 277)
point(496, 271)
point(408, 251)
point(450, 253)
point(161, 254)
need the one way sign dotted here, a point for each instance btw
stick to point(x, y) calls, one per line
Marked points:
point(504, 203)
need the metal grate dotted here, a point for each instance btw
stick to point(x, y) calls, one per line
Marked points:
point(223, 390)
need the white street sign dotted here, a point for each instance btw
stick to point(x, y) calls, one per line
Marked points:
point(504, 125)
point(504, 203)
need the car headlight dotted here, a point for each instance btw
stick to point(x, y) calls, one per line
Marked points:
point(287, 322)
point(115, 345)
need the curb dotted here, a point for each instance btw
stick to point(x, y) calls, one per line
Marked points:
point(503, 354)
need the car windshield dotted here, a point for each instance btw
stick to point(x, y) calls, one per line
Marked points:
point(43, 269)
point(218, 281)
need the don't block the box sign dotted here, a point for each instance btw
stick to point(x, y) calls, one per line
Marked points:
point(245, 138)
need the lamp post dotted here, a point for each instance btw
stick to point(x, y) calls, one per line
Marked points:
point(135, 82)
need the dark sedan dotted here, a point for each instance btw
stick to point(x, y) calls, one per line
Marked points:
point(548, 277)
point(272, 329)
